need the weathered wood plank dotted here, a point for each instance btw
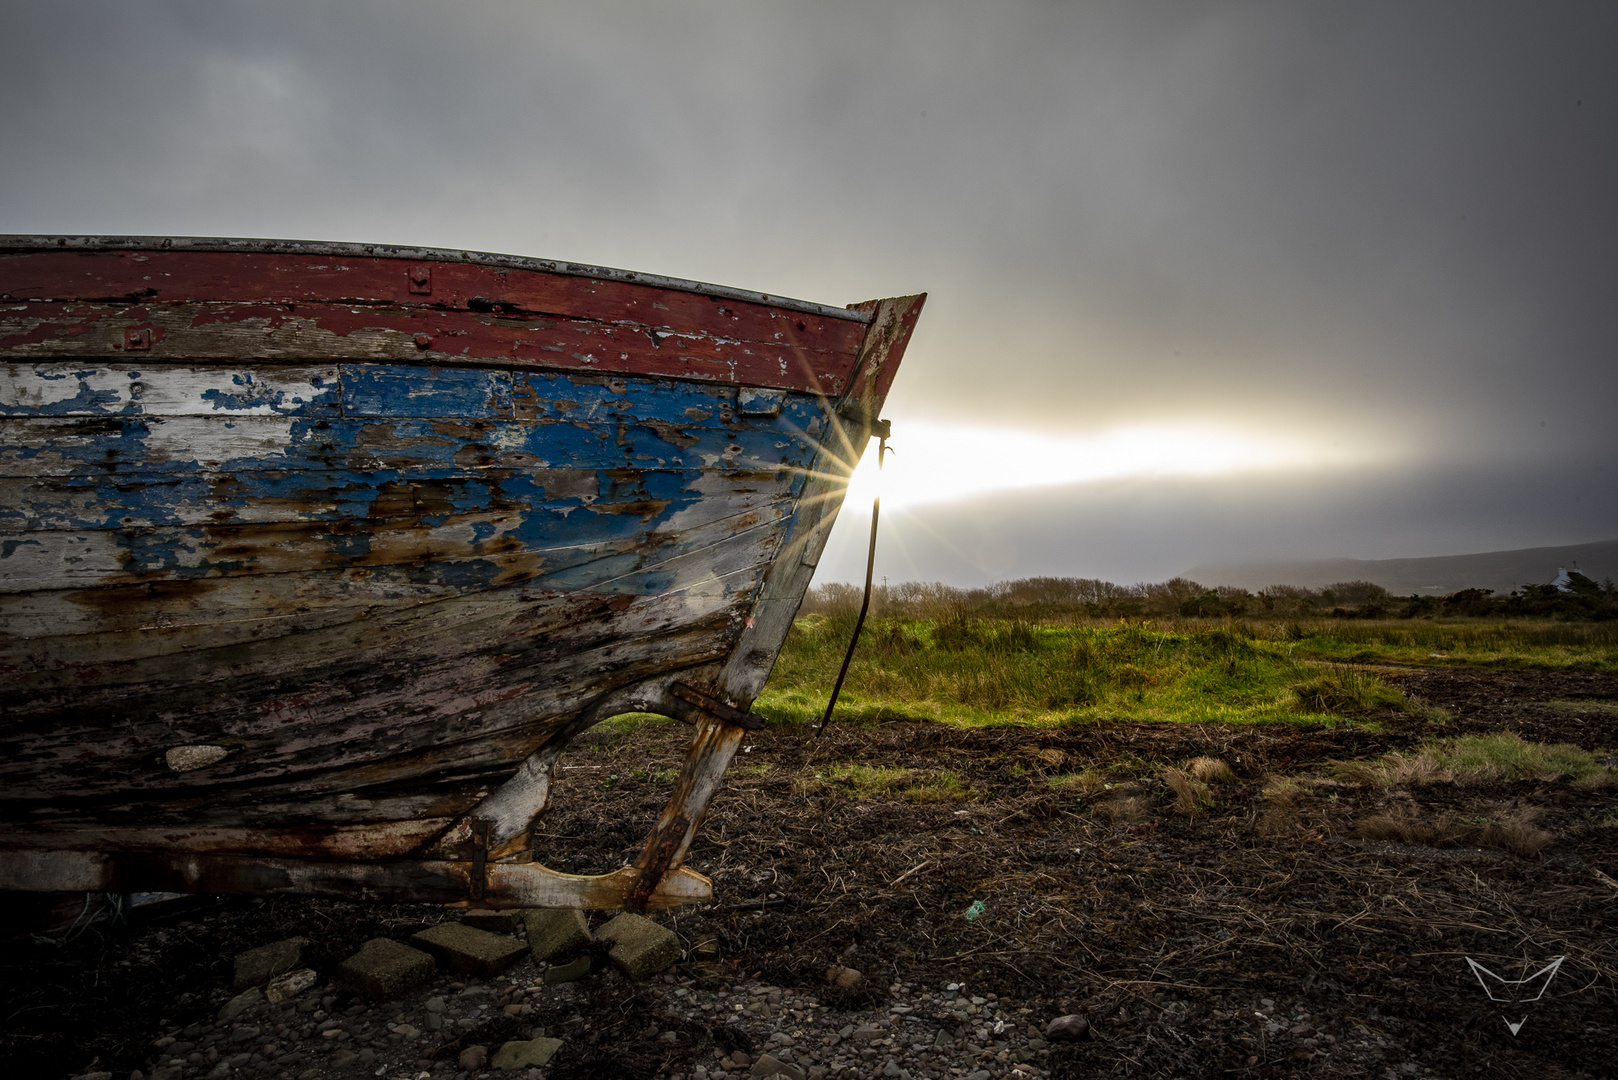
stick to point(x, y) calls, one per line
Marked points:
point(458, 686)
point(393, 837)
point(92, 389)
point(639, 533)
point(124, 446)
point(892, 324)
point(304, 332)
point(79, 650)
point(169, 277)
point(376, 498)
point(401, 881)
point(99, 388)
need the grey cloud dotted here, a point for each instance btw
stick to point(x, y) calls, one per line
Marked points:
point(1379, 222)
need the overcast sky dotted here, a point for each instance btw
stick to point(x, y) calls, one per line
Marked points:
point(1207, 281)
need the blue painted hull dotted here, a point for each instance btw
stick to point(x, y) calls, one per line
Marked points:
point(261, 605)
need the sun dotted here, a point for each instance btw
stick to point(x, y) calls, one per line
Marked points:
point(932, 463)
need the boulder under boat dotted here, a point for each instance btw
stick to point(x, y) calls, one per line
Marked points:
point(315, 556)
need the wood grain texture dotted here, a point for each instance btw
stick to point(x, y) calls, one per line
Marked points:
point(347, 539)
point(169, 276)
point(299, 333)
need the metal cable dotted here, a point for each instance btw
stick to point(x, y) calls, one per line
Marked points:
point(865, 605)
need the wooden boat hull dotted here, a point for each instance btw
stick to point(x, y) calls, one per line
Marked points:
point(312, 558)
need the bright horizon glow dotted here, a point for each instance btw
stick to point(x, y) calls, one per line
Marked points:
point(930, 463)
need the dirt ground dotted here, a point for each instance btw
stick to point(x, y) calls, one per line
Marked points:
point(1184, 939)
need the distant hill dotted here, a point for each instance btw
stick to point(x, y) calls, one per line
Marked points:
point(1437, 575)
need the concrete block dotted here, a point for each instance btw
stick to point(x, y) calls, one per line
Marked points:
point(768, 1066)
point(258, 966)
point(494, 920)
point(641, 948)
point(570, 972)
point(384, 969)
point(240, 1004)
point(555, 931)
point(525, 1055)
point(466, 951)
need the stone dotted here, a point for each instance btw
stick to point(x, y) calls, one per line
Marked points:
point(170, 1072)
point(467, 951)
point(845, 977)
point(343, 1057)
point(384, 969)
point(525, 1055)
point(473, 1058)
point(494, 920)
point(571, 972)
point(240, 1004)
point(1067, 1028)
point(258, 966)
point(555, 931)
point(981, 1074)
point(288, 986)
point(769, 1066)
point(641, 948)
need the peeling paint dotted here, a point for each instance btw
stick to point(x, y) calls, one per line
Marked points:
point(292, 585)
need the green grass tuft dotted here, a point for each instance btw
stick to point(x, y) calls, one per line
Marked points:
point(1345, 690)
point(917, 785)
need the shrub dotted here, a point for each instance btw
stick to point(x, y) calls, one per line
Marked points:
point(1342, 689)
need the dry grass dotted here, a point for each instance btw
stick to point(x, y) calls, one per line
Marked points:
point(1517, 833)
point(1123, 808)
point(1282, 791)
point(1474, 759)
point(1399, 825)
point(1210, 771)
point(1192, 786)
point(1046, 756)
point(1278, 815)
point(1512, 830)
point(1089, 784)
point(1190, 794)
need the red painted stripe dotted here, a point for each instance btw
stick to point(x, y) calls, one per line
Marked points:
point(307, 332)
point(172, 277)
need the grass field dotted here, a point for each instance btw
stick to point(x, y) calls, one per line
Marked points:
point(1549, 645)
point(1007, 671)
